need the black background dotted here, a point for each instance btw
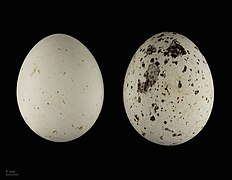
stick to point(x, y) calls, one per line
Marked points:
point(113, 32)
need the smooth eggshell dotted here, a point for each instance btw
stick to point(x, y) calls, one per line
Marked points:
point(168, 89)
point(60, 88)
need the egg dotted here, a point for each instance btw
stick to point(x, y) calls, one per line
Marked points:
point(168, 90)
point(60, 88)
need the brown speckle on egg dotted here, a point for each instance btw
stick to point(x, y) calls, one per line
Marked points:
point(166, 61)
point(185, 68)
point(196, 92)
point(175, 62)
point(179, 84)
point(166, 89)
point(150, 49)
point(163, 74)
point(175, 49)
point(136, 118)
point(152, 118)
point(151, 76)
point(143, 133)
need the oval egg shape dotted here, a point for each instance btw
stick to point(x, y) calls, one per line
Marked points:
point(60, 88)
point(168, 89)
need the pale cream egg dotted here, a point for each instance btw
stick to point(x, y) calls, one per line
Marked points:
point(60, 88)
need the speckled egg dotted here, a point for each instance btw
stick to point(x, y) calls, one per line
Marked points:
point(60, 88)
point(168, 89)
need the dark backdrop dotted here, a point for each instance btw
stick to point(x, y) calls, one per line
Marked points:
point(113, 32)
